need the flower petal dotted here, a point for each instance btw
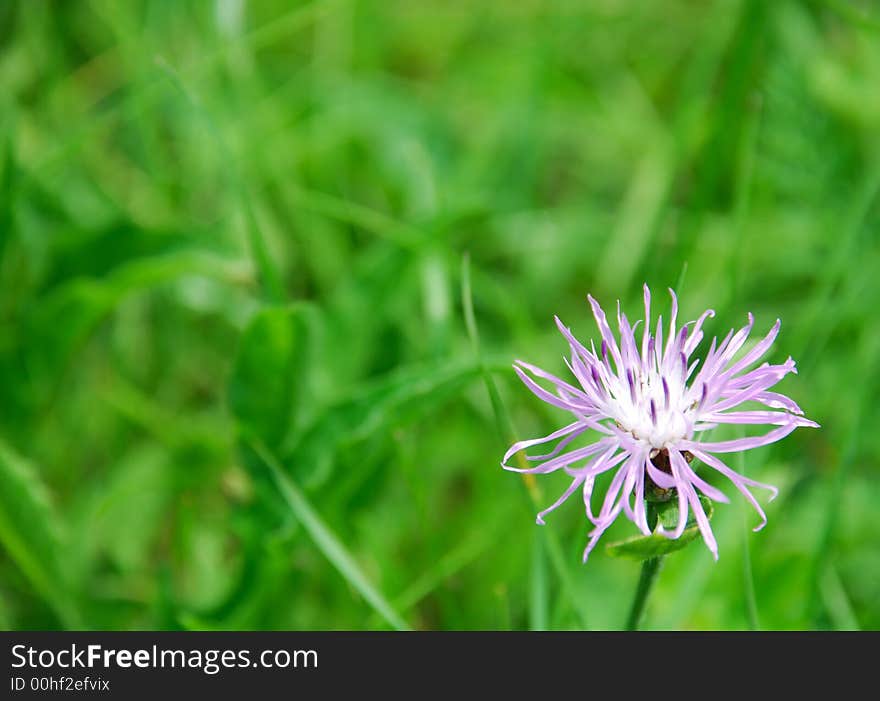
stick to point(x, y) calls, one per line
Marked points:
point(778, 401)
point(562, 460)
point(740, 482)
point(602, 464)
point(576, 482)
point(754, 355)
point(559, 383)
point(739, 444)
point(691, 476)
point(605, 330)
point(702, 521)
point(697, 333)
point(575, 428)
point(773, 418)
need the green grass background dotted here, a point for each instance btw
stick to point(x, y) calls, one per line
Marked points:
point(237, 388)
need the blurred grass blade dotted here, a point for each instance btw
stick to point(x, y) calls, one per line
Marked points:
point(819, 318)
point(851, 12)
point(30, 533)
point(637, 219)
point(270, 274)
point(538, 594)
point(864, 394)
point(454, 561)
point(504, 428)
point(326, 540)
point(748, 577)
point(502, 418)
point(373, 221)
point(401, 394)
point(64, 318)
point(268, 380)
point(837, 602)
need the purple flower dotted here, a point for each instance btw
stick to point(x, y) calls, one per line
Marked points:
point(650, 407)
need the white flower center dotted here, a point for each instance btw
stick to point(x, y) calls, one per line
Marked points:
point(657, 414)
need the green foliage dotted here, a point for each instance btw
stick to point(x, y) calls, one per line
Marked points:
point(329, 543)
point(645, 547)
point(348, 422)
point(269, 381)
point(247, 230)
point(31, 534)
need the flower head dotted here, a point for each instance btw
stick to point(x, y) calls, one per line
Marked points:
point(650, 404)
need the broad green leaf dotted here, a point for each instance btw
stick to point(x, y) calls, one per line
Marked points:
point(644, 547)
point(270, 373)
point(30, 533)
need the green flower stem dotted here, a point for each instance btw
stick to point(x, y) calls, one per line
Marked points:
point(650, 569)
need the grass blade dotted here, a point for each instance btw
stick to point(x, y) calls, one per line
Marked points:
point(30, 534)
point(836, 601)
point(538, 595)
point(326, 540)
point(504, 427)
point(748, 577)
point(835, 492)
